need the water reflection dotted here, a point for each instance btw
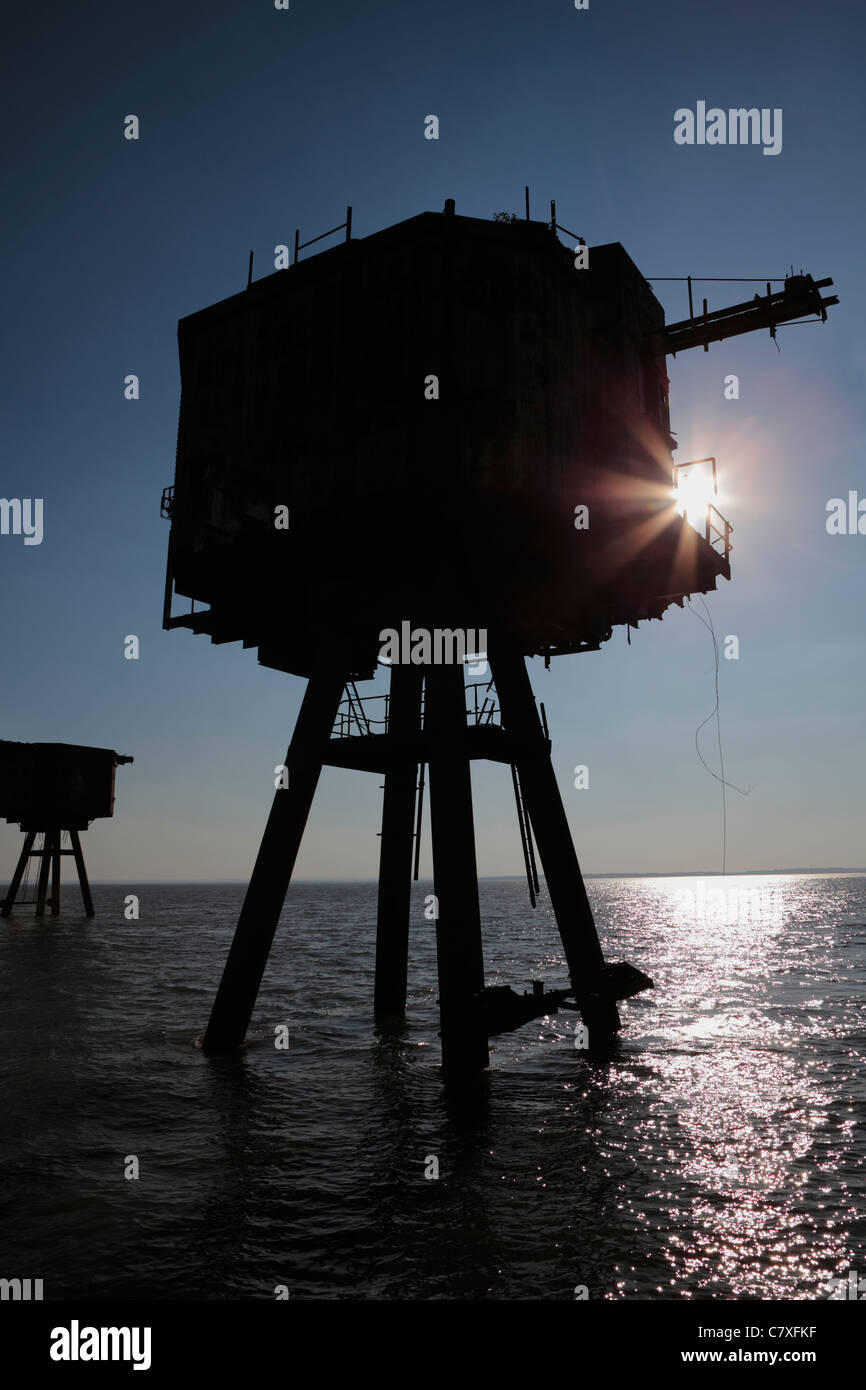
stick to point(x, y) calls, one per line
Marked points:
point(715, 1153)
point(745, 1131)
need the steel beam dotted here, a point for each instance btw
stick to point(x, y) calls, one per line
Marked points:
point(55, 873)
point(236, 997)
point(395, 857)
point(458, 921)
point(44, 868)
point(549, 822)
point(82, 873)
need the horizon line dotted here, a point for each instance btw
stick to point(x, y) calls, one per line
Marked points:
point(491, 878)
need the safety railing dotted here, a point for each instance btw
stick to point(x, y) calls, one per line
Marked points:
point(301, 245)
point(359, 716)
point(715, 533)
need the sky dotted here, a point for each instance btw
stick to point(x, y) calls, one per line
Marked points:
point(255, 121)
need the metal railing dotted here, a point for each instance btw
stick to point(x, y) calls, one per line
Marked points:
point(359, 716)
point(300, 245)
point(714, 533)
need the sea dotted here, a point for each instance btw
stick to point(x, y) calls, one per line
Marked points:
point(715, 1151)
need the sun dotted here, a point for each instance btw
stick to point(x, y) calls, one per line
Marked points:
point(695, 488)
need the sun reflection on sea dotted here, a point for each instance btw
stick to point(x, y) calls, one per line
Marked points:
point(738, 1145)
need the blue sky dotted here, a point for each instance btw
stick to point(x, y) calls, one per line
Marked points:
point(255, 121)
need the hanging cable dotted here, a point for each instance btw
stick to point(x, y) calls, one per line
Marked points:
point(714, 713)
point(25, 884)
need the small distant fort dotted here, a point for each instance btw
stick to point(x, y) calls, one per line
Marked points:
point(52, 791)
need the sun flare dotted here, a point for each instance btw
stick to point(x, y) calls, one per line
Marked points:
point(695, 488)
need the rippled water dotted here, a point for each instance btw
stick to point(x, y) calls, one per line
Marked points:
point(717, 1152)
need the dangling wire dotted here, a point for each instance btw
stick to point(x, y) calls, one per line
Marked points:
point(714, 713)
point(26, 880)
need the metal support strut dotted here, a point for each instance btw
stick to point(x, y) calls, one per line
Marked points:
point(275, 862)
point(455, 877)
point(50, 857)
point(395, 857)
point(547, 816)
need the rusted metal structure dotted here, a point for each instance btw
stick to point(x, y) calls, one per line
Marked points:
point(452, 425)
point(52, 789)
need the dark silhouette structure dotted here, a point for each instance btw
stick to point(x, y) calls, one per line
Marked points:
point(49, 789)
point(450, 426)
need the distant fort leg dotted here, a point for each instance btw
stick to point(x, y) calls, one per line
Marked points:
point(82, 872)
point(9, 901)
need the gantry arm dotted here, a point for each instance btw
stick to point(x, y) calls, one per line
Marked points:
point(800, 298)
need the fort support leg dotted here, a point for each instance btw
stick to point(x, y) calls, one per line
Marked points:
point(550, 824)
point(9, 900)
point(82, 873)
point(278, 851)
point(458, 924)
point(55, 873)
point(395, 855)
point(44, 868)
